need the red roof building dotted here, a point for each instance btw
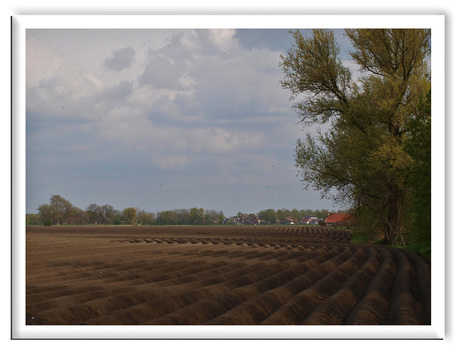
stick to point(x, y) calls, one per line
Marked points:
point(339, 219)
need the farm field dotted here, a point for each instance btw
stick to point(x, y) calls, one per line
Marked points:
point(219, 275)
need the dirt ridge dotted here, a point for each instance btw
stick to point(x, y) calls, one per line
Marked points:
point(221, 275)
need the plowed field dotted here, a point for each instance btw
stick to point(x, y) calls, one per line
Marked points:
point(247, 275)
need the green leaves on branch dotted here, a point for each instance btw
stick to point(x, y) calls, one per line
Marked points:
point(362, 159)
point(312, 65)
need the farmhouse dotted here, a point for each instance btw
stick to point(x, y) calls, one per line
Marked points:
point(290, 220)
point(311, 220)
point(339, 219)
point(245, 219)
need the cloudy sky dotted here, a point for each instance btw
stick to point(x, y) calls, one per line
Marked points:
point(162, 119)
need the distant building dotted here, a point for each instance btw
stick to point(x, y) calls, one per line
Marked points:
point(311, 220)
point(239, 220)
point(339, 219)
point(290, 220)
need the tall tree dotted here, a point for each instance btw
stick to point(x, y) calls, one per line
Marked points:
point(183, 216)
point(77, 216)
point(360, 159)
point(130, 215)
point(323, 213)
point(59, 210)
point(44, 212)
point(95, 214)
point(145, 218)
point(268, 216)
point(196, 215)
point(167, 217)
point(109, 214)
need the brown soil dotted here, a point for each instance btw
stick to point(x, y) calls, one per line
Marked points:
point(246, 275)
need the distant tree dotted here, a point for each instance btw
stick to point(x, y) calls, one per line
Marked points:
point(117, 217)
point(302, 214)
point(33, 219)
point(279, 215)
point(296, 214)
point(282, 214)
point(77, 216)
point(323, 213)
point(61, 208)
point(95, 214)
point(196, 215)
point(109, 214)
point(168, 217)
point(102, 214)
point(57, 211)
point(44, 212)
point(145, 218)
point(183, 216)
point(130, 215)
point(213, 217)
point(207, 219)
point(268, 216)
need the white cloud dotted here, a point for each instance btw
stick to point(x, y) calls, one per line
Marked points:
point(94, 79)
point(223, 38)
point(130, 128)
point(219, 140)
point(41, 62)
point(170, 161)
point(354, 68)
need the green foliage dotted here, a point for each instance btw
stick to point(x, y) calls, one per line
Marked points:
point(323, 213)
point(312, 65)
point(423, 249)
point(360, 237)
point(418, 147)
point(102, 214)
point(58, 211)
point(361, 159)
point(268, 216)
point(183, 216)
point(146, 218)
point(167, 218)
point(33, 219)
point(130, 215)
point(196, 215)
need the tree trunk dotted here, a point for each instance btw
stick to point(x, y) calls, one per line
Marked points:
point(393, 221)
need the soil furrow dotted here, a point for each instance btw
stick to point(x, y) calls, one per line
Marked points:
point(405, 308)
point(219, 275)
point(335, 308)
point(373, 306)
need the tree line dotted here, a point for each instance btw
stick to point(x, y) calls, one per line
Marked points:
point(374, 154)
point(61, 211)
